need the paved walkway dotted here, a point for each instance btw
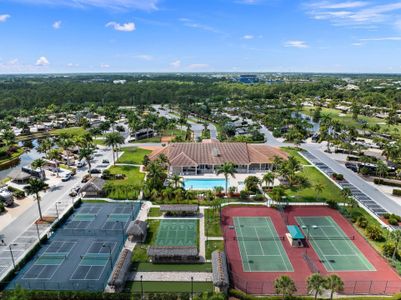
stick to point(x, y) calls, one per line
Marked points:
point(202, 236)
point(170, 276)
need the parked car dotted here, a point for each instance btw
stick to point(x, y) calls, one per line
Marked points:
point(86, 178)
point(74, 191)
point(81, 164)
point(66, 177)
point(95, 171)
point(351, 166)
point(105, 161)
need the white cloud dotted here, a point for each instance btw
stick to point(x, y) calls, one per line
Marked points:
point(4, 18)
point(379, 39)
point(146, 57)
point(190, 23)
point(127, 27)
point(176, 64)
point(397, 25)
point(147, 5)
point(296, 44)
point(57, 25)
point(72, 65)
point(104, 66)
point(42, 61)
point(357, 44)
point(248, 37)
point(354, 13)
point(198, 66)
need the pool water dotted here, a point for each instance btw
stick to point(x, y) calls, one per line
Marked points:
point(204, 183)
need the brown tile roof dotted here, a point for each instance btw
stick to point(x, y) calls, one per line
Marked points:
point(193, 154)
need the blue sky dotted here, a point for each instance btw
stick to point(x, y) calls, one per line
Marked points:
point(38, 36)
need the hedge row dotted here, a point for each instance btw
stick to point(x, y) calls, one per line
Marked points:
point(386, 182)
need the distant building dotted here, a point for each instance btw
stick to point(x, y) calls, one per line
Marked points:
point(248, 79)
point(143, 134)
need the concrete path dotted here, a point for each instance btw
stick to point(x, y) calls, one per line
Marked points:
point(202, 235)
point(170, 276)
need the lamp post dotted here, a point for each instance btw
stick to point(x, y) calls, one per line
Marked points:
point(37, 231)
point(58, 216)
point(142, 286)
point(192, 287)
point(11, 253)
point(111, 258)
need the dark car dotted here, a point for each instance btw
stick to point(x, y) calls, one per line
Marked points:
point(95, 171)
point(86, 178)
point(351, 166)
point(105, 161)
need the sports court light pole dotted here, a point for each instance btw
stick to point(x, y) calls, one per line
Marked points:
point(111, 258)
point(58, 216)
point(192, 287)
point(11, 253)
point(37, 231)
point(142, 286)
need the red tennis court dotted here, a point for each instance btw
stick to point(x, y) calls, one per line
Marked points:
point(382, 279)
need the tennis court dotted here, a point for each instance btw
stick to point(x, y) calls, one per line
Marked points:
point(335, 249)
point(177, 233)
point(81, 253)
point(260, 246)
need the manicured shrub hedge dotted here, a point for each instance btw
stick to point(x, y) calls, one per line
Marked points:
point(397, 192)
point(386, 182)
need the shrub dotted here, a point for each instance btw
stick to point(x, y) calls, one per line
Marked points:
point(374, 232)
point(363, 222)
point(393, 221)
point(258, 197)
point(2, 208)
point(355, 215)
point(386, 182)
point(386, 216)
point(332, 204)
point(388, 250)
point(338, 176)
point(364, 171)
point(19, 194)
point(244, 195)
point(396, 192)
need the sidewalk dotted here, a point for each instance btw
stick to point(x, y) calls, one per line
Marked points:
point(170, 276)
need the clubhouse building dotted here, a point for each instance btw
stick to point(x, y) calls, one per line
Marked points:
point(206, 157)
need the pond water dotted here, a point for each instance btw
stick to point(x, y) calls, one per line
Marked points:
point(25, 159)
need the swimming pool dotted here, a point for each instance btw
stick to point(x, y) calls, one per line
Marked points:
point(204, 183)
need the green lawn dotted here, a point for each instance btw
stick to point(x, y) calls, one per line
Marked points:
point(295, 152)
point(100, 142)
point(149, 267)
point(74, 131)
point(212, 246)
point(13, 156)
point(212, 223)
point(330, 191)
point(349, 121)
point(171, 287)
point(155, 139)
point(133, 155)
point(154, 212)
point(127, 188)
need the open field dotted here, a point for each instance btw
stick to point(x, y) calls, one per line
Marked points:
point(132, 155)
point(127, 188)
point(295, 152)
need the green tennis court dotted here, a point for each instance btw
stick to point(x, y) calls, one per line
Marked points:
point(85, 217)
point(260, 246)
point(177, 233)
point(335, 249)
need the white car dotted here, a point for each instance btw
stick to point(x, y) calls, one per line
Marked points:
point(81, 164)
point(66, 177)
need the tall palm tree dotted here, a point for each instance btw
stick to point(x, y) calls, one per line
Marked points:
point(55, 156)
point(396, 237)
point(34, 187)
point(45, 145)
point(227, 169)
point(346, 193)
point(86, 153)
point(8, 137)
point(284, 286)
point(316, 284)
point(318, 187)
point(38, 164)
point(176, 180)
point(268, 178)
point(334, 284)
point(114, 140)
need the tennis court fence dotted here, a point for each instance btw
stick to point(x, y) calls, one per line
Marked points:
point(357, 287)
point(91, 232)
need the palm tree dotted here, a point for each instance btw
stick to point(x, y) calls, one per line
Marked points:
point(284, 286)
point(86, 153)
point(396, 237)
point(113, 140)
point(319, 187)
point(8, 137)
point(38, 164)
point(55, 156)
point(176, 180)
point(268, 179)
point(346, 194)
point(334, 284)
point(315, 284)
point(45, 145)
point(277, 194)
point(34, 187)
point(381, 169)
point(227, 169)
point(252, 183)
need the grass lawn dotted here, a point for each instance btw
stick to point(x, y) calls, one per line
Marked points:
point(14, 156)
point(155, 139)
point(154, 212)
point(212, 223)
point(330, 191)
point(127, 188)
point(294, 152)
point(149, 267)
point(349, 121)
point(212, 246)
point(133, 155)
point(171, 287)
point(74, 131)
point(100, 142)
